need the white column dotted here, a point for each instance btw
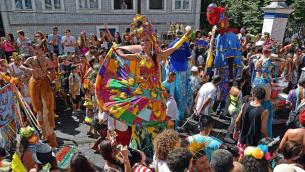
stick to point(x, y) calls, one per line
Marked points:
point(197, 15)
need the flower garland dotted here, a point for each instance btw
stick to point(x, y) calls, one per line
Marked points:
point(258, 152)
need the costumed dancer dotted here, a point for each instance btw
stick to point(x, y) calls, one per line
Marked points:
point(262, 76)
point(41, 69)
point(136, 97)
point(227, 62)
point(178, 63)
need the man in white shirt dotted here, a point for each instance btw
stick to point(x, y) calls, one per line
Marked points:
point(207, 95)
point(68, 42)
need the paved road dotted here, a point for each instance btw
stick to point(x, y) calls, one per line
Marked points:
point(70, 129)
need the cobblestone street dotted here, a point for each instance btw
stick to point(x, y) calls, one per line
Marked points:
point(70, 131)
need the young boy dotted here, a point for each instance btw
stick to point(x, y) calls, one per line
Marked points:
point(169, 84)
point(75, 88)
point(172, 109)
point(195, 80)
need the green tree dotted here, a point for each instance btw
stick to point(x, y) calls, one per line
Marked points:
point(244, 13)
point(252, 16)
point(299, 11)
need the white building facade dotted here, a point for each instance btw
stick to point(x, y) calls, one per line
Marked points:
point(91, 15)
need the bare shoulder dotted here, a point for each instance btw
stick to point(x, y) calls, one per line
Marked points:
point(294, 132)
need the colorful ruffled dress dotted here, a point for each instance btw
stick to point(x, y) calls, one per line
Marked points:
point(132, 93)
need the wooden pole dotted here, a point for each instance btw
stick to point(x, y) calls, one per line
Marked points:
point(139, 7)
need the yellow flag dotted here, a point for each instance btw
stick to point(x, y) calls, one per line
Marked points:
point(17, 165)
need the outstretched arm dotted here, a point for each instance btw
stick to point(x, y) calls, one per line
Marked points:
point(164, 54)
point(126, 56)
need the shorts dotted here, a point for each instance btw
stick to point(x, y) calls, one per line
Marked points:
point(97, 126)
point(77, 99)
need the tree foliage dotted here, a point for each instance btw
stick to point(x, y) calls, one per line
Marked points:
point(245, 13)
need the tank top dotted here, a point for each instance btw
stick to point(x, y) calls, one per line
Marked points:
point(250, 133)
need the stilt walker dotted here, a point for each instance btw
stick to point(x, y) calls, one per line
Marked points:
point(227, 62)
point(41, 93)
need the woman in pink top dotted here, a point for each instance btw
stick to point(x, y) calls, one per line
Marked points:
point(9, 46)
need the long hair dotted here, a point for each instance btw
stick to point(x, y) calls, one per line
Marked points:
point(119, 41)
point(79, 163)
point(154, 54)
point(107, 153)
point(11, 36)
point(82, 40)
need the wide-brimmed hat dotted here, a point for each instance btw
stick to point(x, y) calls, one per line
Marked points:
point(43, 154)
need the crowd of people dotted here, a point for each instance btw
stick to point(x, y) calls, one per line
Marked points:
point(53, 67)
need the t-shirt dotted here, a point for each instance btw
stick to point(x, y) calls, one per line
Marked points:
point(293, 96)
point(207, 90)
point(169, 86)
point(172, 108)
point(211, 143)
point(69, 42)
point(18, 72)
point(195, 82)
point(24, 46)
point(179, 59)
point(160, 166)
point(75, 83)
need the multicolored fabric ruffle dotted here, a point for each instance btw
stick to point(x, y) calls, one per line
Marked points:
point(130, 91)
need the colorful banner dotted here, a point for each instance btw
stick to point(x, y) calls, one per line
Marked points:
point(8, 107)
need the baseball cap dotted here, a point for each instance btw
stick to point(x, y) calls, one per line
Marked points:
point(194, 69)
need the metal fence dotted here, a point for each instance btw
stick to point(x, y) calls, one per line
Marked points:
point(293, 28)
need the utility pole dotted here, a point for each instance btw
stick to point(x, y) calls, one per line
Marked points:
point(139, 7)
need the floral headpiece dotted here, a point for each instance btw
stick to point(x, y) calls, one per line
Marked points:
point(142, 27)
point(258, 152)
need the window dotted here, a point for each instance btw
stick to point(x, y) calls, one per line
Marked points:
point(53, 5)
point(182, 4)
point(156, 4)
point(123, 4)
point(23, 4)
point(88, 4)
point(112, 29)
